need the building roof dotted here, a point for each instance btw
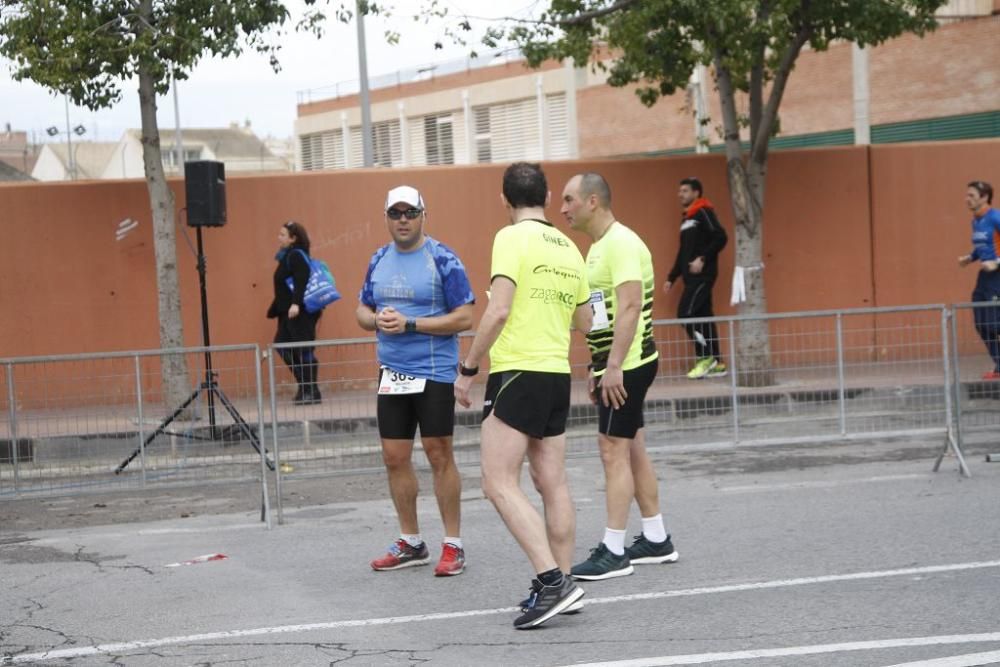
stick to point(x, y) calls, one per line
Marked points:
point(225, 143)
point(91, 156)
point(9, 173)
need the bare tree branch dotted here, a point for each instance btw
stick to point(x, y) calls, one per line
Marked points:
point(579, 19)
point(586, 17)
point(758, 54)
point(758, 152)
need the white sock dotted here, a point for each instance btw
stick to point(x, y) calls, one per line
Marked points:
point(614, 540)
point(653, 528)
point(457, 541)
point(412, 540)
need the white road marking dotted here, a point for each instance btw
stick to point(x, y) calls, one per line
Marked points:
point(803, 581)
point(967, 660)
point(702, 658)
point(821, 484)
point(74, 535)
point(123, 647)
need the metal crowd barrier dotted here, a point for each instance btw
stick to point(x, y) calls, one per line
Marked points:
point(102, 422)
point(68, 422)
point(977, 418)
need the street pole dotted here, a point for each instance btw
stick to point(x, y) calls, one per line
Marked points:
point(71, 163)
point(862, 96)
point(178, 143)
point(366, 112)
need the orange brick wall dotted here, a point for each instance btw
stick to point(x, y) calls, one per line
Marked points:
point(612, 121)
point(960, 73)
point(963, 78)
point(844, 228)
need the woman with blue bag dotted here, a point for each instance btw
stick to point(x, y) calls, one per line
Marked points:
point(295, 323)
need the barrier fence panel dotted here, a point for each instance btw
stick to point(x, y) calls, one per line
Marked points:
point(873, 372)
point(895, 381)
point(802, 401)
point(977, 398)
point(683, 411)
point(67, 423)
point(76, 423)
point(338, 433)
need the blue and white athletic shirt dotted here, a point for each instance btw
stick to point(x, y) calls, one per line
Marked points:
point(986, 236)
point(427, 282)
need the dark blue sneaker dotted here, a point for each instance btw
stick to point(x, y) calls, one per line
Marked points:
point(574, 608)
point(544, 602)
point(602, 564)
point(643, 551)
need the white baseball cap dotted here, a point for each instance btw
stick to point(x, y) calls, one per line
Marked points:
point(404, 194)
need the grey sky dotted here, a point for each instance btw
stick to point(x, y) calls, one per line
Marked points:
point(219, 92)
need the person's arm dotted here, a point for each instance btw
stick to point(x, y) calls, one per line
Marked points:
point(629, 299)
point(300, 278)
point(492, 323)
point(497, 311)
point(392, 321)
point(717, 237)
point(677, 269)
point(366, 312)
point(583, 318)
point(366, 317)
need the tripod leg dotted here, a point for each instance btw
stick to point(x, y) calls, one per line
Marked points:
point(160, 429)
point(244, 426)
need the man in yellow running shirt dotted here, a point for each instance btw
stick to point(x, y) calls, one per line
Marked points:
point(624, 364)
point(538, 287)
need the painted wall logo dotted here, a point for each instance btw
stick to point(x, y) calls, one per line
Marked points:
point(124, 227)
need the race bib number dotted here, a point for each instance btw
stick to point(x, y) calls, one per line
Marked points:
point(394, 383)
point(600, 311)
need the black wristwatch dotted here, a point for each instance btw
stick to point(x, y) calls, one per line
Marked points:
point(466, 371)
point(411, 325)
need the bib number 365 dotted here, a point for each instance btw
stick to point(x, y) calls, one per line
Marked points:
point(395, 383)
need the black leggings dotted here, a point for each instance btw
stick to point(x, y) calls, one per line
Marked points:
point(300, 360)
point(987, 318)
point(696, 301)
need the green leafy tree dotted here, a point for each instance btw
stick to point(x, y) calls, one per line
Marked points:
point(89, 49)
point(750, 47)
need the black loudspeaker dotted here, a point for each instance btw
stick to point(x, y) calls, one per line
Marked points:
point(205, 187)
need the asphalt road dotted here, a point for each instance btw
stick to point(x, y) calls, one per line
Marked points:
point(851, 554)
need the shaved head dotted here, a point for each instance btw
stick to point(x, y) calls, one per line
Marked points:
point(592, 183)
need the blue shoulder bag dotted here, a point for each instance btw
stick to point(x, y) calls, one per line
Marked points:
point(321, 290)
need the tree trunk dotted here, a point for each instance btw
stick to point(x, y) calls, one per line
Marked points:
point(174, 367)
point(753, 347)
point(746, 187)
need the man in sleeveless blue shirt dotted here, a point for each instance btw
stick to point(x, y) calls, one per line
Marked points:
point(417, 298)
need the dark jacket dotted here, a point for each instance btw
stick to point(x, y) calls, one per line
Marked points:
point(701, 236)
point(291, 263)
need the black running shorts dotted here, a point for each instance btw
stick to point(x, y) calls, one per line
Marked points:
point(626, 421)
point(532, 402)
point(433, 410)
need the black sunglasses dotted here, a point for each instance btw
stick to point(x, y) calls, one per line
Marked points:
point(410, 213)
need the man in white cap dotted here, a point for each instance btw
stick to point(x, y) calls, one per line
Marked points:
point(417, 298)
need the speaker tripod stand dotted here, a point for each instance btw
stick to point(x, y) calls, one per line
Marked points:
point(209, 387)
